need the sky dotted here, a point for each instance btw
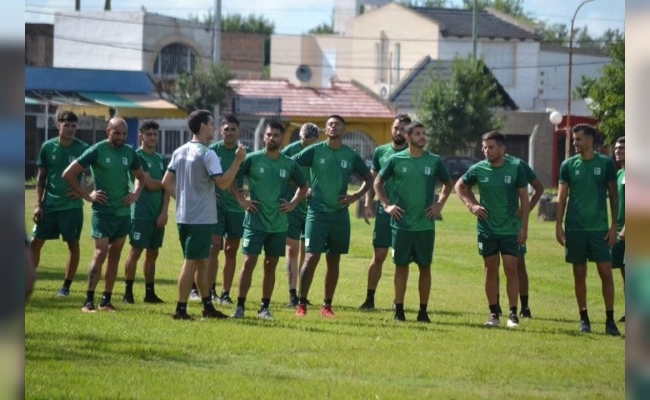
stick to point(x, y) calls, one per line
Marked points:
point(298, 16)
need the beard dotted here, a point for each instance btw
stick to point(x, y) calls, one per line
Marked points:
point(399, 140)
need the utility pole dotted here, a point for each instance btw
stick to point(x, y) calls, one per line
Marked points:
point(77, 5)
point(216, 51)
point(474, 29)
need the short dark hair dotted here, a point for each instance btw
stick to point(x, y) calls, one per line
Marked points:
point(196, 118)
point(149, 124)
point(496, 136)
point(67, 116)
point(403, 118)
point(586, 129)
point(229, 119)
point(412, 126)
point(336, 116)
point(276, 125)
point(620, 140)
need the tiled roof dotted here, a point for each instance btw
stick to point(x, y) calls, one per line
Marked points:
point(455, 22)
point(344, 98)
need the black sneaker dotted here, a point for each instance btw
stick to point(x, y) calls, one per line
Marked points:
point(214, 313)
point(293, 302)
point(183, 316)
point(622, 319)
point(423, 317)
point(399, 316)
point(89, 307)
point(585, 326)
point(226, 300)
point(128, 299)
point(513, 321)
point(611, 329)
point(153, 299)
point(525, 313)
point(368, 305)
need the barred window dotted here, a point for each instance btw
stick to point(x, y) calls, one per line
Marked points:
point(174, 59)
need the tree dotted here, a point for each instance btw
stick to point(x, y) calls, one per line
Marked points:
point(608, 94)
point(206, 88)
point(322, 29)
point(457, 111)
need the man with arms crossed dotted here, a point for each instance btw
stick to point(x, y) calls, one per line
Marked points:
point(327, 227)
point(110, 162)
point(586, 179)
point(618, 251)
point(413, 211)
point(148, 216)
point(58, 210)
point(502, 185)
point(191, 175)
point(269, 175)
point(381, 236)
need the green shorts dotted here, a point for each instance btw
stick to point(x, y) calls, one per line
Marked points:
point(296, 227)
point(522, 250)
point(195, 240)
point(145, 234)
point(506, 245)
point(618, 254)
point(381, 235)
point(409, 246)
point(273, 242)
point(110, 226)
point(581, 246)
point(328, 232)
point(230, 225)
point(64, 223)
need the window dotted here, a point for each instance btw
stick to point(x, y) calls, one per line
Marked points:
point(174, 59)
point(170, 140)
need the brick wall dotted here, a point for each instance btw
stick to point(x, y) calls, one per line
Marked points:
point(243, 53)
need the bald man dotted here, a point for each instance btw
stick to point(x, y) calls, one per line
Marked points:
point(110, 162)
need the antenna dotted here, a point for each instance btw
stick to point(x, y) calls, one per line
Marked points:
point(303, 73)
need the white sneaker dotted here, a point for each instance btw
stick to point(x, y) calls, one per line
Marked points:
point(239, 312)
point(265, 314)
point(493, 320)
point(194, 295)
point(513, 321)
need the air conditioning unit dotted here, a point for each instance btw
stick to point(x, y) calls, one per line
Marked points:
point(384, 91)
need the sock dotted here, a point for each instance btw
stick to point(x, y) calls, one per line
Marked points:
point(583, 315)
point(513, 310)
point(423, 308)
point(370, 295)
point(181, 308)
point(241, 301)
point(90, 296)
point(129, 287)
point(302, 300)
point(399, 308)
point(67, 283)
point(214, 284)
point(106, 298)
point(494, 309)
point(292, 293)
point(194, 288)
point(524, 301)
point(266, 303)
point(149, 290)
point(327, 302)
point(207, 303)
point(610, 315)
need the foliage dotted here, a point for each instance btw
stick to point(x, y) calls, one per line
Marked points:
point(206, 88)
point(322, 29)
point(608, 93)
point(456, 112)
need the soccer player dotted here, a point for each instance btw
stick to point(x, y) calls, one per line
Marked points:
point(381, 235)
point(502, 218)
point(269, 174)
point(412, 210)
point(586, 179)
point(110, 162)
point(190, 178)
point(295, 248)
point(148, 216)
point(58, 210)
point(618, 251)
point(327, 227)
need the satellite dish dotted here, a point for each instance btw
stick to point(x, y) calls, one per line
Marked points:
point(303, 73)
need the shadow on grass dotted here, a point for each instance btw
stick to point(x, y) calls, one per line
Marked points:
point(50, 274)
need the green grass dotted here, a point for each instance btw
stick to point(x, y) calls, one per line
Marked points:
point(141, 353)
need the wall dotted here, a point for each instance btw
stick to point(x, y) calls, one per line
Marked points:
point(287, 55)
point(39, 43)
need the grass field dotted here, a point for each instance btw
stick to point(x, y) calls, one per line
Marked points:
point(141, 353)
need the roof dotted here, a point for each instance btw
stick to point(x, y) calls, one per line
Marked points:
point(404, 94)
point(344, 98)
point(490, 24)
point(88, 80)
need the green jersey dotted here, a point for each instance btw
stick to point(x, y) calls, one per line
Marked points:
point(620, 184)
point(110, 167)
point(414, 185)
point(268, 181)
point(55, 158)
point(379, 159)
point(289, 151)
point(528, 171)
point(227, 201)
point(587, 181)
point(499, 191)
point(149, 203)
point(330, 173)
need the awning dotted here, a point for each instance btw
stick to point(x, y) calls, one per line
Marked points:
point(31, 101)
point(133, 105)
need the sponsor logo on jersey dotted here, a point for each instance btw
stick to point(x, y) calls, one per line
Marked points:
point(322, 161)
point(261, 170)
point(404, 169)
point(484, 179)
point(108, 160)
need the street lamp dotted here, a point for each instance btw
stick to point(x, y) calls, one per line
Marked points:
point(567, 143)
